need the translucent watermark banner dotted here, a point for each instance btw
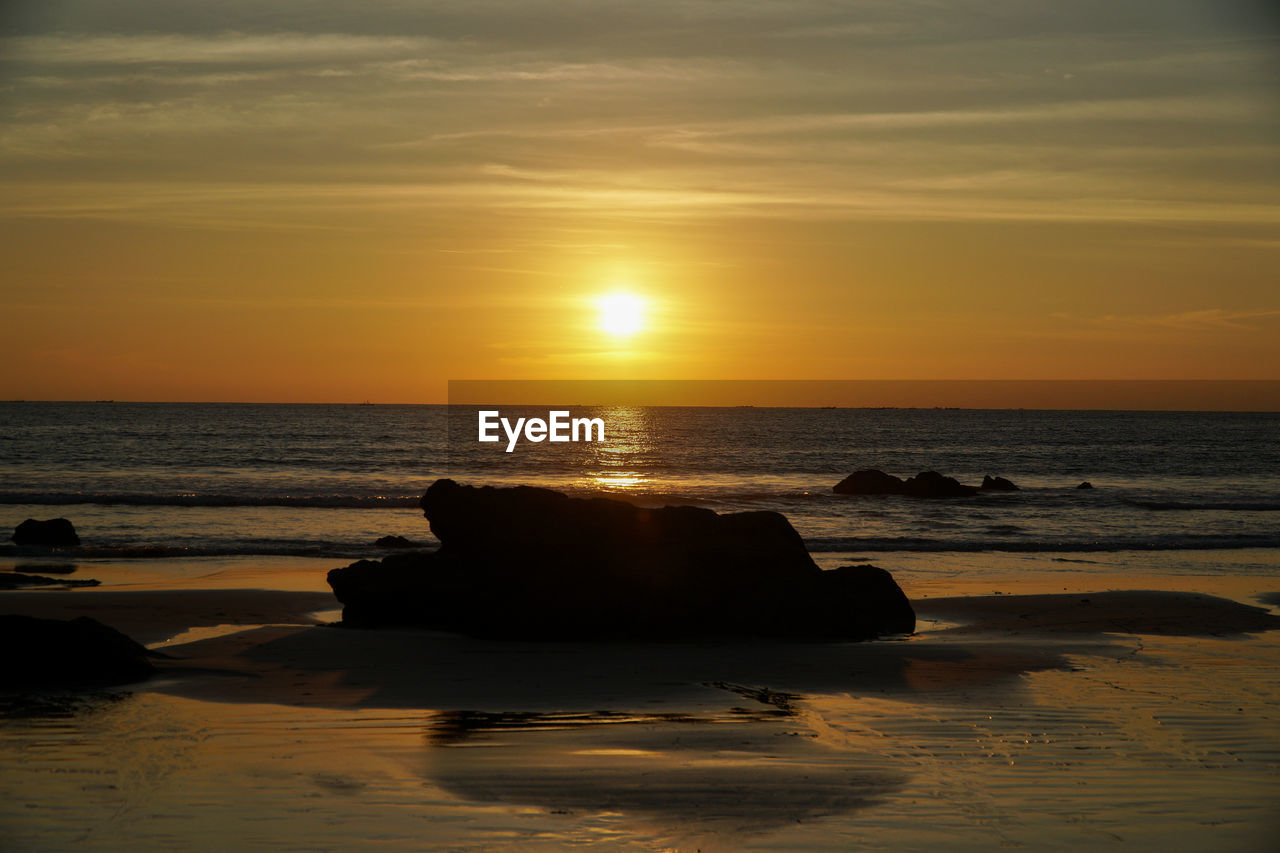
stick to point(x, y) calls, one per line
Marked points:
point(687, 437)
point(1051, 394)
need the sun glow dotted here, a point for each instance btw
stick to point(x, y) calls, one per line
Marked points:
point(621, 314)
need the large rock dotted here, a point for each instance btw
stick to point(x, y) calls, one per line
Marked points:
point(529, 562)
point(926, 484)
point(53, 652)
point(56, 533)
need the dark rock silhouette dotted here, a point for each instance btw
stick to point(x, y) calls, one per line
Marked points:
point(56, 533)
point(397, 542)
point(926, 484)
point(997, 484)
point(79, 652)
point(870, 482)
point(533, 563)
point(873, 598)
point(931, 484)
point(17, 580)
point(1085, 485)
point(51, 568)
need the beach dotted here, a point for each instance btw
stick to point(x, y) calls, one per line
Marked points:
point(1059, 709)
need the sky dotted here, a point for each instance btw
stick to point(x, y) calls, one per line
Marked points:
point(325, 201)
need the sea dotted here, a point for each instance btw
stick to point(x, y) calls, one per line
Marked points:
point(145, 481)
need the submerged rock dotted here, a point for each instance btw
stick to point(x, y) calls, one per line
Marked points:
point(997, 484)
point(51, 568)
point(17, 580)
point(55, 533)
point(1085, 485)
point(83, 651)
point(397, 542)
point(926, 484)
point(533, 563)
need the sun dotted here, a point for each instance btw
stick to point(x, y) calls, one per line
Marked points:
point(621, 314)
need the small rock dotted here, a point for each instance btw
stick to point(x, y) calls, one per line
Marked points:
point(997, 484)
point(397, 542)
point(55, 533)
point(870, 482)
point(931, 484)
point(926, 484)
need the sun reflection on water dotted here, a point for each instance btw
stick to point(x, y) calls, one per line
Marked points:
point(618, 481)
point(620, 462)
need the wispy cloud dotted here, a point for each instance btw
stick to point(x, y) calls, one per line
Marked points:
point(1191, 109)
point(1206, 319)
point(766, 109)
point(224, 48)
point(602, 195)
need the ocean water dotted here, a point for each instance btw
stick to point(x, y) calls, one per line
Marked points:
point(175, 480)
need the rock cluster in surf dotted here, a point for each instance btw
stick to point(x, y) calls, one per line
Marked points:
point(926, 484)
point(527, 562)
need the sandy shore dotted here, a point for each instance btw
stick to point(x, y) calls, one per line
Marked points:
point(1096, 714)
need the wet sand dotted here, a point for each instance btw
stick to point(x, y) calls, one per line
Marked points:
point(1098, 714)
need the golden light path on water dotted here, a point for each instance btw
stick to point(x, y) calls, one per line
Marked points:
point(618, 461)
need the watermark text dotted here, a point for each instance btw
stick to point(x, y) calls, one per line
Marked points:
point(558, 426)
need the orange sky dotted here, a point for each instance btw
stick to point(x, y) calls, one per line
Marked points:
point(313, 203)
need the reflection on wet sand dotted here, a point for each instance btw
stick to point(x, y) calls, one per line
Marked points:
point(709, 744)
point(336, 667)
point(738, 772)
point(1054, 729)
point(452, 728)
point(701, 745)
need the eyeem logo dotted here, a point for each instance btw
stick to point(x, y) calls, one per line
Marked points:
point(557, 427)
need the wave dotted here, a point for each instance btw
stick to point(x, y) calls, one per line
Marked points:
point(1164, 542)
point(211, 500)
point(783, 499)
point(334, 551)
point(816, 545)
point(1238, 506)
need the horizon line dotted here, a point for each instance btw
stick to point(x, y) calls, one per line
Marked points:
point(816, 407)
point(1163, 395)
